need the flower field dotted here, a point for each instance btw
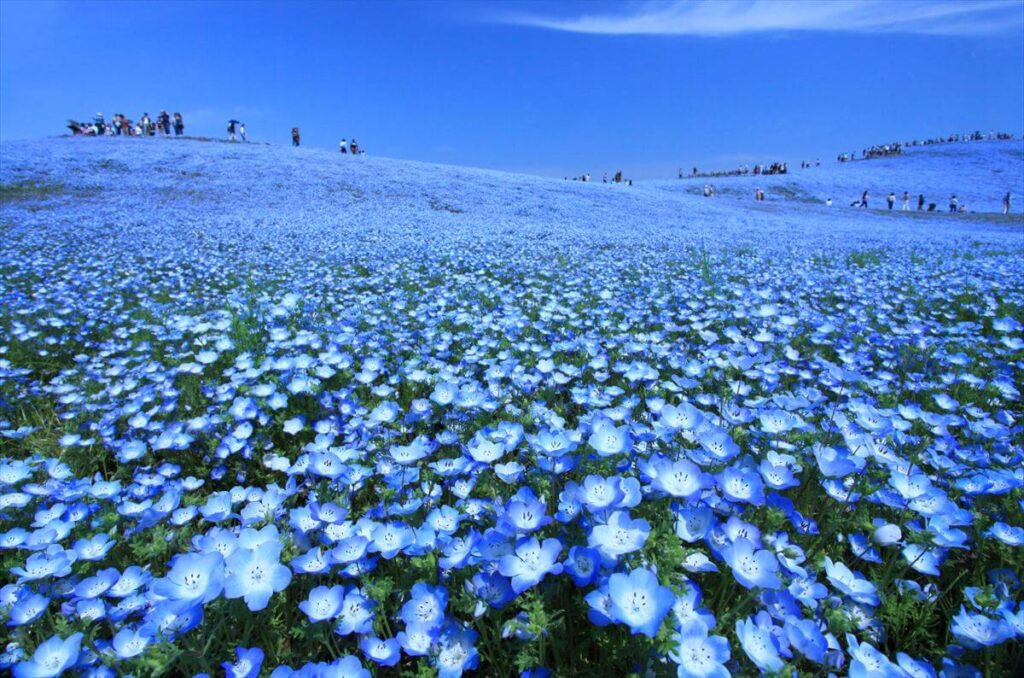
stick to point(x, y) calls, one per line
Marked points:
point(273, 412)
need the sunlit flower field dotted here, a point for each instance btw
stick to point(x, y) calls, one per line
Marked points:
point(271, 412)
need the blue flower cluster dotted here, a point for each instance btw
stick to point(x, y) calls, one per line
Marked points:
point(258, 425)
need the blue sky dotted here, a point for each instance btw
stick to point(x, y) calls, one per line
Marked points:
point(547, 88)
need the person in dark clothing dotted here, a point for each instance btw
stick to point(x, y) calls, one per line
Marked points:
point(355, 147)
point(864, 199)
point(920, 202)
point(1006, 203)
point(295, 137)
point(231, 129)
point(179, 125)
point(891, 199)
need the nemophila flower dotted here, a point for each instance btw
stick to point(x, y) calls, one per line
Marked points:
point(868, 662)
point(171, 618)
point(524, 513)
point(53, 562)
point(390, 538)
point(456, 652)
point(417, 640)
point(742, 484)
point(608, 439)
point(718, 444)
point(681, 479)
point(583, 565)
point(978, 630)
point(356, 614)
point(598, 493)
point(51, 658)
point(492, 589)
point(693, 523)
point(698, 654)
point(94, 548)
point(255, 574)
point(758, 640)
point(323, 603)
point(530, 562)
point(27, 608)
point(132, 578)
point(835, 463)
point(426, 606)
point(1009, 535)
point(193, 577)
point(850, 583)
point(752, 568)
point(806, 638)
point(639, 600)
point(924, 560)
point(386, 652)
point(246, 665)
point(887, 534)
point(620, 535)
point(913, 667)
point(128, 643)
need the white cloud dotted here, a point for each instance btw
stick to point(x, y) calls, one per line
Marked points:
point(737, 17)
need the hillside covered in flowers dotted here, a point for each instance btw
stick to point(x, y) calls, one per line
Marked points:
point(270, 412)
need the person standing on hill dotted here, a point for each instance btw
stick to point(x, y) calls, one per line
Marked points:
point(906, 201)
point(953, 202)
point(179, 125)
point(295, 136)
point(1006, 203)
point(864, 199)
point(920, 201)
point(343, 146)
point(231, 129)
point(241, 131)
point(355, 147)
point(891, 199)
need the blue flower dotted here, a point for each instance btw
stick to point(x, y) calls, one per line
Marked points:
point(51, 658)
point(620, 535)
point(385, 652)
point(742, 484)
point(256, 574)
point(246, 665)
point(639, 600)
point(978, 630)
point(427, 605)
point(851, 584)
point(356, 614)
point(323, 603)
point(128, 643)
point(194, 577)
point(456, 652)
point(492, 589)
point(531, 562)
point(752, 568)
point(681, 479)
point(27, 608)
point(699, 655)
point(609, 439)
point(583, 565)
point(759, 642)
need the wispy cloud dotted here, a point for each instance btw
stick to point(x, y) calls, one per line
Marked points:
point(737, 17)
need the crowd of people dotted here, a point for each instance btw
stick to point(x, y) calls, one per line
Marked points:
point(617, 178)
point(742, 171)
point(896, 147)
point(120, 125)
point(956, 206)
